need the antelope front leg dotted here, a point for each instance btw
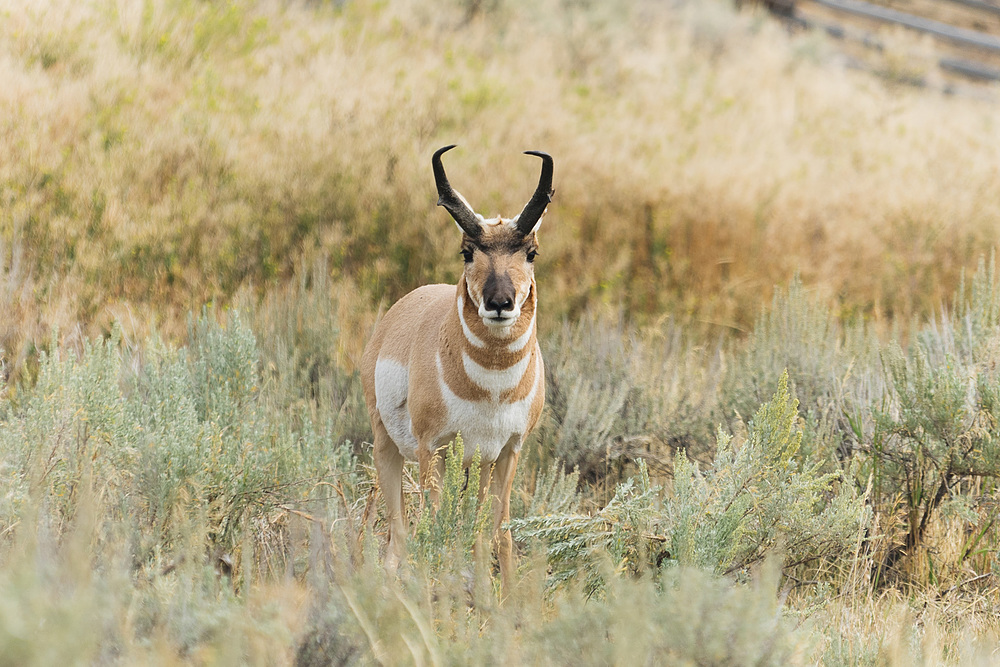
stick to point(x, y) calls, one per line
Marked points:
point(500, 487)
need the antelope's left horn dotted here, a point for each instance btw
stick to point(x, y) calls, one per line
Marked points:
point(535, 207)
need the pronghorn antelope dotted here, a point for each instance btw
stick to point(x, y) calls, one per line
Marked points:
point(449, 359)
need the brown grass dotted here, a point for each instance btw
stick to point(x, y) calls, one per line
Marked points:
point(159, 155)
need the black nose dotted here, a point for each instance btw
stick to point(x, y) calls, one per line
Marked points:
point(498, 292)
point(499, 304)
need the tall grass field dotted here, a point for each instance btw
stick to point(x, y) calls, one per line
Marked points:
point(769, 310)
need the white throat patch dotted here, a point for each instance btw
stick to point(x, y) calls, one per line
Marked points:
point(473, 339)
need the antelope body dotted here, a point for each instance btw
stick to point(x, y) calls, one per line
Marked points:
point(450, 359)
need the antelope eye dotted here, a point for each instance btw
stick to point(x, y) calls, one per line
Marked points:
point(531, 255)
point(467, 255)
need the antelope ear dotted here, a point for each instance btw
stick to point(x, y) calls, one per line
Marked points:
point(453, 202)
point(529, 218)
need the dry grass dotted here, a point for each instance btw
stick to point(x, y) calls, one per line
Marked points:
point(162, 154)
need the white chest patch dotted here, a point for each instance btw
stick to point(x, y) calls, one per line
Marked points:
point(392, 383)
point(493, 381)
point(488, 425)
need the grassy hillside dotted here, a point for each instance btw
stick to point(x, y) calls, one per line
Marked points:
point(162, 154)
point(205, 205)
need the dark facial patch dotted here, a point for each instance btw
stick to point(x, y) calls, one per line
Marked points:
point(499, 241)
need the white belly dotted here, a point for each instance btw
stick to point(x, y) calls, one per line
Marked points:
point(392, 382)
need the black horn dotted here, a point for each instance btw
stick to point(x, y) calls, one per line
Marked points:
point(543, 195)
point(451, 200)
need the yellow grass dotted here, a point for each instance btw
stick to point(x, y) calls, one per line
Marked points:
point(161, 154)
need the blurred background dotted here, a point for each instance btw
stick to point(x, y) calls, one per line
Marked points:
point(163, 155)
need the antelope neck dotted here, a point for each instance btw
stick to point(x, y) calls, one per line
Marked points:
point(476, 365)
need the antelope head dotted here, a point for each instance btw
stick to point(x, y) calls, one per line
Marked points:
point(498, 252)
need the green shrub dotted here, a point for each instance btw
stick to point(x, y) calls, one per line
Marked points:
point(935, 432)
point(577, 543)
point(686, 617)
point(613, 397)
point(167, 433)
point(445, 536)
point(71, 428)
point(939, 432)
point(758, 497)
point(556, 491)
point(755, 499)
point(832, 370)
point(300, 337)
point(224, 368)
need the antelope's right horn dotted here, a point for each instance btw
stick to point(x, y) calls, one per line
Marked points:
point(453, 202)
